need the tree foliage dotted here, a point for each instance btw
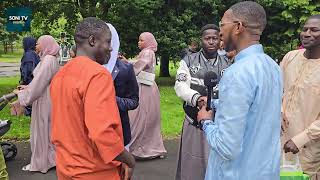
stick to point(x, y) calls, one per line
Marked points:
point(173, 22)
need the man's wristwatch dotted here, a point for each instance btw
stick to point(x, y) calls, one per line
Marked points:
point(200, 124)
point(203, 123)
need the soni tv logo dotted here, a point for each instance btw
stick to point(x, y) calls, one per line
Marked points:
point(18, 19)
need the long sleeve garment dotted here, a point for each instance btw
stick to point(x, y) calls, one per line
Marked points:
point(127, 94)
point(301, 105)
point(86, 126)
point(244, 138)
point(29, 60)
point(27, 67)
point(37, 94)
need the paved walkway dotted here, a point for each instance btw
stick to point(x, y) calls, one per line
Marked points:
point(9, 69)
point(159, 169)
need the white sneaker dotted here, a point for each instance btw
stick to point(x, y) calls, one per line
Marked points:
point(26, 167)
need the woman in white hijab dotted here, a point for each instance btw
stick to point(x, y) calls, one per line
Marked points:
point(125, 83)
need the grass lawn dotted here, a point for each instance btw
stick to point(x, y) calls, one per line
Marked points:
point(171, 112)
point(20, 127)
point(171, 108)
point(11, 57)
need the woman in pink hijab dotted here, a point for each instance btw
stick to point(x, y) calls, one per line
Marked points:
point(145, 122)
point(37, 94)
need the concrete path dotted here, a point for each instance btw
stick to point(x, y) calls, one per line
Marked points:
point(159, 169)
point(9, 69)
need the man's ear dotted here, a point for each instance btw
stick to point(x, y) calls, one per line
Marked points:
point(91, 40)
point(240, 28)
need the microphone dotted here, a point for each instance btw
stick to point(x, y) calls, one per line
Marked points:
point(210, 80)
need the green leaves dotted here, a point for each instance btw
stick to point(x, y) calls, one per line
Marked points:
point(173, 22)
point(285, 19)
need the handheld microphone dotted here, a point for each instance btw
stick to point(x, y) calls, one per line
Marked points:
point(210, 80)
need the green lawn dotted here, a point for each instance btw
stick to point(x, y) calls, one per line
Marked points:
point(11, 57)
point(171, 108)
point(20, 127)
point(171, 112)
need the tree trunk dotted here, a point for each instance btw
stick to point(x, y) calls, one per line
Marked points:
point(5, 46)
point(11, 44)
point(164, 66)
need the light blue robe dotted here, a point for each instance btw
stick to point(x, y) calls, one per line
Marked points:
point(244, 139)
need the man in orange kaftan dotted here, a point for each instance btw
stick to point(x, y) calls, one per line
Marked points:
point(86, 126)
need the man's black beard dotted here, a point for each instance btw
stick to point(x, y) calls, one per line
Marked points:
point(227, 46)
point(101, 59)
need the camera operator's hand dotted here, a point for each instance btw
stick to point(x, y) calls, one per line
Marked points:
point(204, 114)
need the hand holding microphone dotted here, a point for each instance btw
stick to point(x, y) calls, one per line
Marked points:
point(204, 114)
point(202, 101)
point(210, 80)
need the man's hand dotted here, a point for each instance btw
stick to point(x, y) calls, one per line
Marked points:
point(204, 114)
point(231, 54)
point(284, 123)
point(16, 91)
point(202, 101)
point(21, 87)
point(289, 146)
point(126, 172)
point(128, 164)
point(122, 57)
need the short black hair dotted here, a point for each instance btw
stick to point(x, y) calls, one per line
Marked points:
point(251, 14)
point(317, 16)
point(89, 26)
point(209, 26)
